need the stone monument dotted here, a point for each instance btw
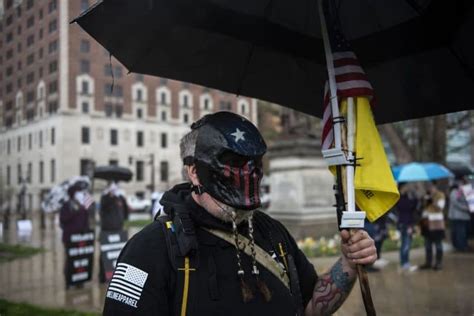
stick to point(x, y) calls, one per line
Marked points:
point(301, 186)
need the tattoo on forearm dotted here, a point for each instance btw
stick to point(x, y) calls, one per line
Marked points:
point(331, 290)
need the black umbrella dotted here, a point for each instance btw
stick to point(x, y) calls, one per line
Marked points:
point(461, 170)
point(113, 173)
point(419, 55)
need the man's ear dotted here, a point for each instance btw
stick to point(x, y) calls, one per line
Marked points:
point(192, 174)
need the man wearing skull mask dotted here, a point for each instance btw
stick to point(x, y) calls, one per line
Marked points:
point(215, 253)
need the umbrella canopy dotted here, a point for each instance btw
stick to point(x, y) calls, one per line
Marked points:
point(59, 194)
point(415, 171)
point(272, 50)
point(461, 170)
point(113, 173)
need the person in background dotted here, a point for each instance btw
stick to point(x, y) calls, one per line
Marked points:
point(434, 227)
point(73, 219)
point(406, 210)
point(156, 207)
point(113, 213)
point(459, 217)
point(113, 209)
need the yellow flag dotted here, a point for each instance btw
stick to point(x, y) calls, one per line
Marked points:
point(375, 189)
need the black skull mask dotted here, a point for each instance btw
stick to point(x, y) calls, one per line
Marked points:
point(228, 158)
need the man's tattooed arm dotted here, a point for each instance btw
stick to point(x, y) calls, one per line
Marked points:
point(332, 289)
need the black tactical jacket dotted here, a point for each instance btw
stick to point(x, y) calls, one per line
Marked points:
point(148, 281)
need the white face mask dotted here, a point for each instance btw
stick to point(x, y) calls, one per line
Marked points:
point(79, 197)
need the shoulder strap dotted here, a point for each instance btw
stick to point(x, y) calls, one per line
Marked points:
point(261, 255)
point(185, 267)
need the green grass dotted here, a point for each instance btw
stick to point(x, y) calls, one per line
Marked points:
point(21, 309)
point(137, 223)
point(11, 252)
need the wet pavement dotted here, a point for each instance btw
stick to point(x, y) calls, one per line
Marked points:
point(39, 280)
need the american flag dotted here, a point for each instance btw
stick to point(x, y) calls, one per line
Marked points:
point(351, 80)
point(128, 280)
point(88, 200)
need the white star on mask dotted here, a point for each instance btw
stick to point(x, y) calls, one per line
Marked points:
point(238, 134)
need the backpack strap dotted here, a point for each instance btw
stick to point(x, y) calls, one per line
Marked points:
point(184, 265)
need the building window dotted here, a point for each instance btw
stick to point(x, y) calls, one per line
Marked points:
point(53, 170)
point(53, 66)
point(40, 139)
point(206, 104)
point(115, 90)
point(85, 46)
point(53, 136)
point(163, 116)
point(30, 59)
point(139, 95)
point(53, 26)
point(30, 22)
point(9, 175)
point(18, 176)
point(113, 162)
point(84, 5)
point(139, 170)
point(108, 70)
point(164, 140)
point(139, 113)
point(52, 6)
point(185, 118)
point(225, 105)
point(118, 72)
point(118, 110)
point(30, 97)
point(53, 87)
point(85, 107)
point(52, 107)
point(30, 78)
point(164, 171)
point(163, 98)
point(8, 147)
point(29, 173)
point(140, 139)
point(29, 4)
point(85, 66)
point(85, 87)
point(30, 141)
point(185, 101)
point(85, 135)
point(86, 167)
point(18, 144)
point(30, 40)
point(113, 137)
point(53, 46)
point(108, 108)
point(41, 172)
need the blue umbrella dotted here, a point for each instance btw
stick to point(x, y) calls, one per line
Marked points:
point(424, 171)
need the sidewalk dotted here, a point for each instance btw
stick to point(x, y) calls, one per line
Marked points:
point(39, 280)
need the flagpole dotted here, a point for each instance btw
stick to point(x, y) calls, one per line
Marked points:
point(350, 169)
point(353, 216)
point(332, 79)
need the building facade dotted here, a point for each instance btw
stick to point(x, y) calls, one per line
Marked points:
point(66, 105)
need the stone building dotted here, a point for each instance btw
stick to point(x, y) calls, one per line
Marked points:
point(65, 104)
